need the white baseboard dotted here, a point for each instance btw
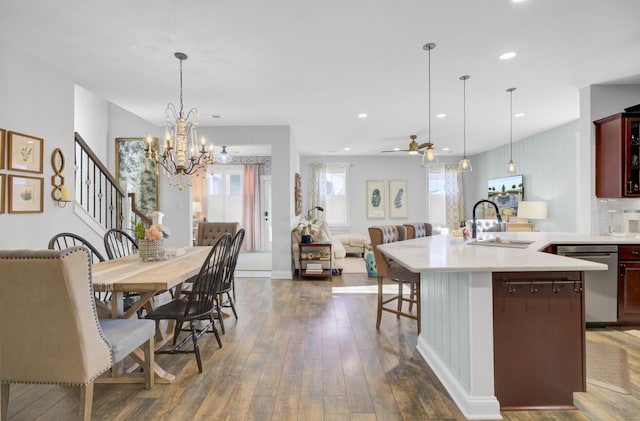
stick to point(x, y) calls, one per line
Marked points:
point(472, 407)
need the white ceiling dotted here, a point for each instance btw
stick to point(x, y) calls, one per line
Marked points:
point(314, 65)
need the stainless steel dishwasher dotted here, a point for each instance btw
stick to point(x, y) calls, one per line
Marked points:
point(600, 287)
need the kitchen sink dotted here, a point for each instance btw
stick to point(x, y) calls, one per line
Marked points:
point(501, 242)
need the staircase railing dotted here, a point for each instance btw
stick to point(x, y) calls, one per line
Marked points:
point(98, 192)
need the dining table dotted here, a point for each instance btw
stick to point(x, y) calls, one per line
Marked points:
point(130, 274)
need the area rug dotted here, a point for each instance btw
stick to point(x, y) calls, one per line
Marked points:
point(354, 265)
point(608, 367)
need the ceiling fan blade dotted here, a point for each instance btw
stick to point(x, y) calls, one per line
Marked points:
point(396, 150)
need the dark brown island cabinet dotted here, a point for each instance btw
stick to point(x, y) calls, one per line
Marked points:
point(539, 339)
point(618, 155)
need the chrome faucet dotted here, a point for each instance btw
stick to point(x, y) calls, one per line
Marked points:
point(473, 224)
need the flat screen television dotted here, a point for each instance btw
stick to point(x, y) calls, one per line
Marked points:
point(506, 192)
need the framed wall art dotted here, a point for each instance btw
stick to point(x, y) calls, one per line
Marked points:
point(25, 152)
point(376, 199)
point(298, 194)
point(2, 147)
point(398, 199)
point(25, 194)
point(136, 173)
point(2, 193)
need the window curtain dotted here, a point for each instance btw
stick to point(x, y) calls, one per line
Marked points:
point(454, 195)
point(318, 195)
point(251, 208)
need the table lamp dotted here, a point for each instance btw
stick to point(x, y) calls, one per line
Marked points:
point(531, 210)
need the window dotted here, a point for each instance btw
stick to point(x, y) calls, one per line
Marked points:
point(436, 196)
point(224, 194)
point(336, 192)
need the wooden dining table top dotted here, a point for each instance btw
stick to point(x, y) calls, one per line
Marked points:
point(131, 273)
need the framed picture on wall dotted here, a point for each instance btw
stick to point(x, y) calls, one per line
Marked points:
point(376, 199)
point(25, 152)
point(2, 142)
point(136, 173)
point(25, 194)
point(398, 199)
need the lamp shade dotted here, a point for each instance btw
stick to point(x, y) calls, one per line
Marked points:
point(197, 207)
point(532, 210)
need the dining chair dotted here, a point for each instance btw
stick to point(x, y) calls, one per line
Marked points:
point(388, 269)
point(51, 331)
point(119, 243)
point(199, 303)
point(65, 240)
point(229, 278)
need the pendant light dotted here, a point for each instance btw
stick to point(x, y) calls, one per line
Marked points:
point(511, 168)
point(429, 157)
point(465, 163)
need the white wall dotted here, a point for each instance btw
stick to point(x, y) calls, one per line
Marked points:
point(385, 167)
point(37, 100)
point(91, 120)
point(547, 162)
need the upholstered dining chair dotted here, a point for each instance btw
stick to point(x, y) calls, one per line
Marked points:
point(391, 270)
point(50, 331)
point(65, 240)
point(199, 303)
point(119, 243)
point(229, 278)
point(418, 229)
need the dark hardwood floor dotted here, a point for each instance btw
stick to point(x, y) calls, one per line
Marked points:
point(307, 350)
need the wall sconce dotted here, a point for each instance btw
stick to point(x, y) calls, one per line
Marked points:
point(60, 193)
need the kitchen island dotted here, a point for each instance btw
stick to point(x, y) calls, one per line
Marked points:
point(515, 291)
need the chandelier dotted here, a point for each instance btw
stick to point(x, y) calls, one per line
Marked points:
point(181, 156)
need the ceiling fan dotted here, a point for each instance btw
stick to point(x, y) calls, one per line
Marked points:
point(414, 147)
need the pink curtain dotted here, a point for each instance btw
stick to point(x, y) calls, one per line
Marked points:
point(251, 208)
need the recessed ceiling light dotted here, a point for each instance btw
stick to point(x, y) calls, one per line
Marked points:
point(508, 56)
point(396, 149)
point(518, 115)
point(441, 115)
point(445, 149)
point(362, 115)
point(518, 1)
point(347, 148)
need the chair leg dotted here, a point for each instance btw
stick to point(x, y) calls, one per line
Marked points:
point(149, 355)
point(379, 316)
point(196, 348)
point(4, 400)
point(418, 306)
point(233, 307)
point(220, 318)
point(86, 400)
point(400, 295)
point(214, 330)
point(412, 296)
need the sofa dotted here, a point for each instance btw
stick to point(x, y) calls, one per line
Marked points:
point(354, 243)
point(322, 234)
point(487, 225)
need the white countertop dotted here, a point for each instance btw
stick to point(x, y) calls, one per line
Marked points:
point(442, 253)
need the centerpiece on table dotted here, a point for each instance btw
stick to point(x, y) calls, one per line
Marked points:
point(150, 241)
